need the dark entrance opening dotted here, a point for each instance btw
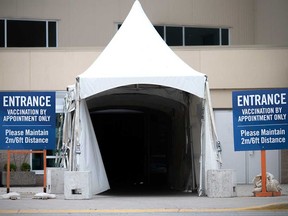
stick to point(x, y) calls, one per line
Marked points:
point(134, 145)
point(144, 137)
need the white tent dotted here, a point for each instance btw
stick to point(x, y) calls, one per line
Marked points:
point(137, 55)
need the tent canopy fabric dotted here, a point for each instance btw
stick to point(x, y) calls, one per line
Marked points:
point(138, 55)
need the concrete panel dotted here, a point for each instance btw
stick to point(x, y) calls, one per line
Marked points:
point(77, 185)
point(55, 180)
point(47, 69)
point(191, 56)
point(55, 70)
point(270, 19)
point(221, 183)
point(221, 98)
point(245, 68)
point(15, 70)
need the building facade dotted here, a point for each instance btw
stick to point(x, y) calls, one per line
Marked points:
point(239, 45)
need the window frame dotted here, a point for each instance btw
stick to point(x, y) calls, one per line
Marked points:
point(47, 22)
point(206, 27)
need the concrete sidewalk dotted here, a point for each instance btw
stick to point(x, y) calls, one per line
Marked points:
point(142, 203)
point(243, 190)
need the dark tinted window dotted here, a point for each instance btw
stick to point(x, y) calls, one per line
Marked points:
point(52, 34)
point(174, 36)
point(201, 36)
point(160, 30)
point(26, 33)
point(225, 36)
point(2, 33)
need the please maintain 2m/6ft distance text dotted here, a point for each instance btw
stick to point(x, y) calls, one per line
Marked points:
point(26, 136)
point(263, 136)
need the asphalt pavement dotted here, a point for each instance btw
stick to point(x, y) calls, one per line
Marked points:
point(144, 203)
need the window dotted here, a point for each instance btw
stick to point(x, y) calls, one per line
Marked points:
point(52, 34)
point(194, 36)
point(224, 37)
point(28, 33)
point(160, 30)
point(201, 36)
point(174, 36)
point(2, 33)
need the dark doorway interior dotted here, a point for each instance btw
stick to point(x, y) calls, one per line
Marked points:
point(134, 146)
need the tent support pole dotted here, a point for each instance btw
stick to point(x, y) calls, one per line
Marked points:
point(76, 147)
point(202, 188)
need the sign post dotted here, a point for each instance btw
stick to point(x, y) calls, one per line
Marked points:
point(45, 171)
point(27, 125)
point(8, 172)
point(260, 122)
point(264, 192)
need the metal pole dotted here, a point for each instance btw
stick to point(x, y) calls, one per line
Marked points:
point(45, 165)
point(263, 170)
point(8, 172)
point(264, 192)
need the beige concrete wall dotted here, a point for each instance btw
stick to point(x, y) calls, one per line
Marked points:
point(93, 22)
point(232, 68)
point(271, 19)
point(42, 69)
point(228, 68)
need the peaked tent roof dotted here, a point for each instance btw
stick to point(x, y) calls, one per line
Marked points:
point(138, 55)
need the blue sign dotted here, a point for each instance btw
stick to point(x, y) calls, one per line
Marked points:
point(27, 120)
point(260, 119)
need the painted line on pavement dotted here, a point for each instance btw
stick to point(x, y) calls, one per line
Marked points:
point(271, 207)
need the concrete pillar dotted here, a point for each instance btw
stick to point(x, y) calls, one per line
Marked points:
point(221, 183)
